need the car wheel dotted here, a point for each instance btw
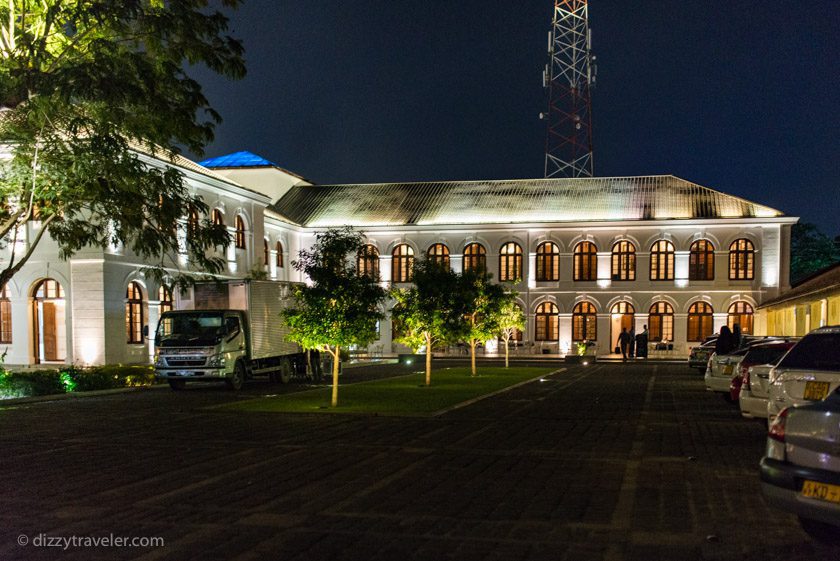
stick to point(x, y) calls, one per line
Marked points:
point(235, 382)
point(177, 385)
point(820, 531)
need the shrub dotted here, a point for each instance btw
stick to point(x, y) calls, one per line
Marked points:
point(73, 379)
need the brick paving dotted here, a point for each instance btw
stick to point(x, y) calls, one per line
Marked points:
point(604, 462)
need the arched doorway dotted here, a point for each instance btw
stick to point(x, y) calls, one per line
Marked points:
point(49, 328)
point(621, 316)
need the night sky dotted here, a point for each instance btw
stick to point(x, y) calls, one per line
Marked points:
point(741, 96)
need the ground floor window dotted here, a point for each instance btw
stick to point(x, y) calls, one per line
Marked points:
point(134, 313)
point(740, 313)
point(547, 322)
point(700, 321)
point(584, 322)
point(661, 321)
point(5, 317)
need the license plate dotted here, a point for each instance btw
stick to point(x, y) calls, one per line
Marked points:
point(816, 391)
point(727, 370)
point(821, 491)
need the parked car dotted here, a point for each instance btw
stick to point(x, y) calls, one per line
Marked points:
point(699, 356)
point(808, 372)
point(800, 472)
point(722, 369)
point(759, 354)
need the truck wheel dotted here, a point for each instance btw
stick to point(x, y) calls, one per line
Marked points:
point(235, 382)
point(285, 372)
point(177, 385)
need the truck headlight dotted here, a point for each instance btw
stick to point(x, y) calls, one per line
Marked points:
point(216, 360)
point(159, 361)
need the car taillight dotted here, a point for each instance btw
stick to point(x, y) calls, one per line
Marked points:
point(777, 429)
point(746, 383)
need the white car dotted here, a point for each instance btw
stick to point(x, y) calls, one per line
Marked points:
point(800, 472)
point(755, 383)
point(721, 370)
point(808, 372)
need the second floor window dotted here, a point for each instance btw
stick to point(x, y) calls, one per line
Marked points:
point(402, 263)
point(548, 262)
point(367, 261)
point(438, 253)
point(742, 260)
point(510, 262)
point(279, 257)
point(586, 262)
point(662, 261)
point(475, 257)
point(239, 237)
point(624, 261)
point(701, 261)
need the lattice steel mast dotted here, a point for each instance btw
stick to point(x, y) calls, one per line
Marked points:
point(568, 76)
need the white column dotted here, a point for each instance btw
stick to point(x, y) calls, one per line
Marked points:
point(720, 321)
point(88, 311)
point(604, 269)
point(681, 259)
point(565, 333)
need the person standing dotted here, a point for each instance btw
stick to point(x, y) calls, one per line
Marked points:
point(624, 343)
point(642, 343)
point(725, 342)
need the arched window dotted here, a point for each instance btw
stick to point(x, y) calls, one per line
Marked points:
point(701, 261)
point(661, 321)
point(700, 324)
point(662, 261)
point(278, 247)
point(586, 262)
point(134, 313)
point(547, 322)
point(402, 263)
point(548, 262)
point(439, 253)
point(623, 261)
point(218, 217)
point(165, 298)
point(367, 261)
point(475, 257)
point(5, 316)
point(584, 322)
point(49, 289)
point(265, 253)
point(510, 262)
point(741, 260)
point(192, 221)
point(742, 314)
point(239, 236)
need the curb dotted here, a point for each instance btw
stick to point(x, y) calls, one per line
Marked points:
point(76, 395)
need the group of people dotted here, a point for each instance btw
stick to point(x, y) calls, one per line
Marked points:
point(633, 345)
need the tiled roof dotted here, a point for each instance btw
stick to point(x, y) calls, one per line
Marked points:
point(243, 159)
point(512, 201)
point(818, 284)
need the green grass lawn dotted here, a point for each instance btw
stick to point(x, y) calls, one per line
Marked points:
point(400, 395)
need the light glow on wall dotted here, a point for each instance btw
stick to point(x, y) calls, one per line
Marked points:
point(91, 350)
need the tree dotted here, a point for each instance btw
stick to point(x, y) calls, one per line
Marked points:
point(429, 313)
point(511, 319)
point(810, 251)
point(89, 89)
point(340, 307)
point(483, 301)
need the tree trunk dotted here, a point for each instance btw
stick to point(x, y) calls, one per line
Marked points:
point(472, 356)
point(507, 344)
point(428, 360)
point(334, 402)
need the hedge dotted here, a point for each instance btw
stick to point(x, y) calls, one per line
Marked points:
point(73, 379)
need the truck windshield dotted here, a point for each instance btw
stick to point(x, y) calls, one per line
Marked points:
point(200, 329)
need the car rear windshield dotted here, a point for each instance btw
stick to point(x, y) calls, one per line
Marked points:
point(819, 351)
point(766, 355)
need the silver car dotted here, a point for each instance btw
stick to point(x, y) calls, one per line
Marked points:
point(809, 372)
point(721, 370)
point(800, 472)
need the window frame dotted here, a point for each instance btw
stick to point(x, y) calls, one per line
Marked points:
point(239, 232)
point(475, 257)
point(5, 316)
point(402, 263)
point(707, 315)
point(278, 258)
point(134, 313)
point(742, 260)
point(738, 316)
point(439, 253)
point(551, 320)
point(584, 321)
point(166, 302)
point(585, 261)
point(367, 261)
point(623, 261)
point(510, 262)
point(701, 260)
point(662, 255)
point(660, 321)
point(548, 262)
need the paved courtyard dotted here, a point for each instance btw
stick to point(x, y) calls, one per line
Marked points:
point(604, 462)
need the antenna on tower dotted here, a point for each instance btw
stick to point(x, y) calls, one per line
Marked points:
point(568, 77)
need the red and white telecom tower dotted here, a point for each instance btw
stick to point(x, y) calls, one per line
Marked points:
point(568, 76)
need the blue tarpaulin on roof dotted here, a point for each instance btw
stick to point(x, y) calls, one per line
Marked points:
point(243, 159)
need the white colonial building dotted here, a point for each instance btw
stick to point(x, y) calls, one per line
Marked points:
point(587, 257)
